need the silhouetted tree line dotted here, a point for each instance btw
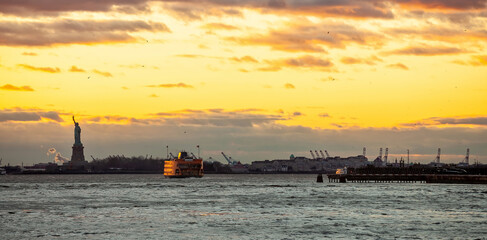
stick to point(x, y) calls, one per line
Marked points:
point(127, 164)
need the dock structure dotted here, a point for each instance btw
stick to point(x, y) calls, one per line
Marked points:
point(409, 178)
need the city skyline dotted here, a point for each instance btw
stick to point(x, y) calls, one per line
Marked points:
point(254, 79)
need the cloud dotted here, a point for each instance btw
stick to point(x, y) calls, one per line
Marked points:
point(9, 87)
point(427, 51)
point(70, 31)
point(443, 4)
point(438, 121)
point(398, 66)
point(478, 60)
point(372, 60)
point(29, 54)
point(52, 7)
point(303, 62)
point(197, 10)
point(105, 74)
point(454, 32)
point(303, 36)
point(289, 86)
point(41, 69)
point(28, 115)
point(219, 118)
point(219, 26)
point(76, 69)
point(171, 85)
point(244, 59)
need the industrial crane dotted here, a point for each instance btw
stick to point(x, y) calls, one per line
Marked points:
point(312, 155)
point(228, 159)
point(327, 155)
point(322, 155)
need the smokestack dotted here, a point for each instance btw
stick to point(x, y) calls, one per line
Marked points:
point(438, 156)
point(380, 154)
point(386, 155)
point(408, 156)
point(364, 151)
point(467, 156)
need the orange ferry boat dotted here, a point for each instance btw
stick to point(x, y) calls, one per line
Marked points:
point(183, 166)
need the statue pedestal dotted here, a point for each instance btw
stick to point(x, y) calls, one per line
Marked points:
point(78, 156)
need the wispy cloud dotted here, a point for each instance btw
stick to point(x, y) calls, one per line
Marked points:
point(76, 69)
point(172, 85)
point(244, 59)
point(289, 86)
point(29, 54)
point(372, 60)
point(70, 31)
point(9, 87)
point(41, 69)
point(398, 66)
point(309, 37)
point(23, 115)
point(219, 26)
point(427, 51)
point(452, 121)
point(303, 62)
point(477, 60)
point(443, 4)
point(105, 74)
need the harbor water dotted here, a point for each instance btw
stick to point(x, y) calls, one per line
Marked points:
point(235, 207)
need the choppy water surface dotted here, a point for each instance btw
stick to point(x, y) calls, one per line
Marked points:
point(236, 207)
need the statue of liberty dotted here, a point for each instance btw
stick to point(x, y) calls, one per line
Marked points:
point(77, 133)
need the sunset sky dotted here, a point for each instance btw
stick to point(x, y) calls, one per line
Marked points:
point(255, 79)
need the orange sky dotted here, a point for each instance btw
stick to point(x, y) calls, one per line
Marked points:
point(243, 70)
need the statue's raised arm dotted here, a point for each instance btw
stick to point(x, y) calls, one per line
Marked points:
point(74, 120)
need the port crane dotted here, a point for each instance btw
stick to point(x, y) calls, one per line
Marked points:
point(322, 155)
point(312, 154)
point(228, 159)
point(317, 155)
point(327, 155)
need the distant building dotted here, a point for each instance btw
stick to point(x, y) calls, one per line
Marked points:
point(303, 164)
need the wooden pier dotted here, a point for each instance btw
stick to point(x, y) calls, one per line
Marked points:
point(409, 178)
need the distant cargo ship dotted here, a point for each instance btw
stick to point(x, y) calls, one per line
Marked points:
point(183, 166)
